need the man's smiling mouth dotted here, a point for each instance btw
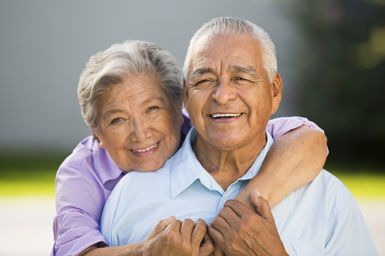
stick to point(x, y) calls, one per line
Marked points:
point(217, 116)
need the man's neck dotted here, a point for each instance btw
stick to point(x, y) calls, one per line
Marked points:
point(226, 166)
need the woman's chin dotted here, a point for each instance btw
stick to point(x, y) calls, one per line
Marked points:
point(149, 167)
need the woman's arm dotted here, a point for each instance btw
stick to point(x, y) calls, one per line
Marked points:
point(135, 249)
point(80, 198)
point(295, 159)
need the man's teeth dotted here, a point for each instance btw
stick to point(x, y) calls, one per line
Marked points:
point(225, 115)
point(144, 150)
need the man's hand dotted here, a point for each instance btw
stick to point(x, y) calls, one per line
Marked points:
point(174, 237)
point(238, 230)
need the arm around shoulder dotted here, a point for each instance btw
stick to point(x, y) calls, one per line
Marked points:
point(295, 159)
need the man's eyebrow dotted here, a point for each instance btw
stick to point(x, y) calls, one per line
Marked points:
point(200, 72)
point(248, 70)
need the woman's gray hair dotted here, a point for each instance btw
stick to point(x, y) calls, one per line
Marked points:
point(230, 25)
point(121, 61)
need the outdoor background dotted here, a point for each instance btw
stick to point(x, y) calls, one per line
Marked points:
point(331, 55)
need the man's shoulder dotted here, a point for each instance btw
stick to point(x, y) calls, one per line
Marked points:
point(332, 184)
point(329, 193)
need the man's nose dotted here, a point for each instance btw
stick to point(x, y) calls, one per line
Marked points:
point(224, 92)
point(140, 129)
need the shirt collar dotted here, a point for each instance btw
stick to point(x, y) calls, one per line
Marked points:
point(104, 166)
point(186, 169)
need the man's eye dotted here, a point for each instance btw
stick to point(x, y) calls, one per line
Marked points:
point(240, 78)
point(204, 81)
point(116, 120)
point(152, 108)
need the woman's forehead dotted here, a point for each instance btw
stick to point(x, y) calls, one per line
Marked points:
point(136, 90)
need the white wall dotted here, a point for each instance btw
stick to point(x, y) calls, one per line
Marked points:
point(44, 45)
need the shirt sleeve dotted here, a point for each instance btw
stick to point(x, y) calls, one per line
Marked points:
point(79, 203)
point(347, 231)
point(279, 126)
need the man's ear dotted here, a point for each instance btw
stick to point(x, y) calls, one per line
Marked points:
point(185, 94)
point(276, 92)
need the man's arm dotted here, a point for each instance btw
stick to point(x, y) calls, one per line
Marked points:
point(295, 159)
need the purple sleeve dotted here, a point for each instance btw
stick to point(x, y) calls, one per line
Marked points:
point(80, 198)
point(279, 126)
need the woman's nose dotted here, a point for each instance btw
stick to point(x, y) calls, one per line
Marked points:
point(141, 130)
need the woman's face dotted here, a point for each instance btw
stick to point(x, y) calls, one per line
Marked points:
point(138, 126)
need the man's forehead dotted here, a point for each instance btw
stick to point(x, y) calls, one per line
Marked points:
point(225, 51)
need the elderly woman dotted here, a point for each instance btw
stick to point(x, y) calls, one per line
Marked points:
point(130, 96)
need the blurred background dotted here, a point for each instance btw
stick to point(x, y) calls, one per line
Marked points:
point(331, 55)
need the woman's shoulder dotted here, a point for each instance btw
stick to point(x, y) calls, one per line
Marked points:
point(81, 158)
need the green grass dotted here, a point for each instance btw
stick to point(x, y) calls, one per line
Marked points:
point(30, 176)
point(27, 183)
point(364, 185)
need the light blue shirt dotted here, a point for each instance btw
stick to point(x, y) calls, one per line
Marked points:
point(321, 218)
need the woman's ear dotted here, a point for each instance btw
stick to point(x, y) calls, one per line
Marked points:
point(97, 135)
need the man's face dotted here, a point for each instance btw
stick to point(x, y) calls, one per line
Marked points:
point(228, 95)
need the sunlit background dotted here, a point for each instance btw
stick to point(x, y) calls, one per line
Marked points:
point(331, 55)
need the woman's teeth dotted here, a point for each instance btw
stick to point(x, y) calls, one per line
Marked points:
point(145, 149)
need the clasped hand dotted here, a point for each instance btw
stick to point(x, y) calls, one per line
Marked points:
point(237, 230)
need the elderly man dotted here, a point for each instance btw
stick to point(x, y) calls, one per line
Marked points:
point(231, 88)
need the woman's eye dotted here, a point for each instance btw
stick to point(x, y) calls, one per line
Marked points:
point(116, 120)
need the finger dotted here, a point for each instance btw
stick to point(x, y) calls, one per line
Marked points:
point(238, 207)
point(160, 226)
point(228, 215)
point(207, 247)
point(186, 229)
point(216, 236)
point(174, 226)
point(218, 251)
point(199, 232)
point(261, 205)
point(220, 224)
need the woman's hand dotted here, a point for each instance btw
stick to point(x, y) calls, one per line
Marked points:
point(175, 237)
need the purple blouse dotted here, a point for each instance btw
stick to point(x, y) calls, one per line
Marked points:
point(85, 180)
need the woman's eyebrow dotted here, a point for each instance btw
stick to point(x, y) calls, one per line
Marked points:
point(151, 99)
point(111, 112)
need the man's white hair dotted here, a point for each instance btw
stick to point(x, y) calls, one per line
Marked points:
point(230, 25)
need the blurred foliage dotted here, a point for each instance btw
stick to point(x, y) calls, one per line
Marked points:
point(342, 82)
